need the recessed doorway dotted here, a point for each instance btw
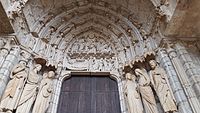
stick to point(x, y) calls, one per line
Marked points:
point(89, 94)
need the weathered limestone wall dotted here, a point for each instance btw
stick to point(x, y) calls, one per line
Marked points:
point(190, 66)
point(182, 62)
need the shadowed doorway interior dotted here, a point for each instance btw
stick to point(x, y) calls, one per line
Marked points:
point(89, 94)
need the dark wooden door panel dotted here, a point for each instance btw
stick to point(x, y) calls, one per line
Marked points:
point(89, 95)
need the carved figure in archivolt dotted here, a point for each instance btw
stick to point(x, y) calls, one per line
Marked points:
point(146, 91)
point(161, 85)
point(30, 91)
point(14, 88)
point(45, 90)
point(133, 97)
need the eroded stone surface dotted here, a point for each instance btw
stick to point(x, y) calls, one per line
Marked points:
point(98, 37)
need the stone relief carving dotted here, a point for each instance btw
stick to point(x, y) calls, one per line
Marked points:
point(92, 64)
point(21, 91)
point(29, 41)
point(41, 50)
point(90, 45)
point(30, 91)
point(154, 87)
point(25, 56)
point(14, 88)
point(56, 40)
point(16, 15)
point(132, 94)
point(92, 53)
point(44, 95)
point(146, 91)
point(161, 85)
point(122, 10)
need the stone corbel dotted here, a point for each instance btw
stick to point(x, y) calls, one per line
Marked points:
point(64, 75)
point(115, 75)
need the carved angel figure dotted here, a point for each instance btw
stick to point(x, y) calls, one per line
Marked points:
point(133, 97)
point(44, 95)
point(30, 91)
point(161, 85)
point(14, 88)
point(146, 91)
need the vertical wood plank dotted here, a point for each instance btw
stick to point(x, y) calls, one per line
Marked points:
point(86, 94)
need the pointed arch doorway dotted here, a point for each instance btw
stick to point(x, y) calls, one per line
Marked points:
point(89, 93)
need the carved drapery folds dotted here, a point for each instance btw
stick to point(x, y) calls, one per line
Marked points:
point(14, 88)
point(161, 85)
point(44, 95)
point(153, 86)
point(27, 90)
point(146, 92)
point(54, 30)
point(92, 53)
point(132, 94)
point(30, 90)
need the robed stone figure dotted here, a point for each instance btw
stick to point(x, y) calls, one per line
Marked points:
point(133, 97)
point(30, 91)
point(147, 95)
point(161, 85)
point(45, 91)
point(14, 88)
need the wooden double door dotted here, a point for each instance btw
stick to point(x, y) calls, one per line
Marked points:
point(86, 94)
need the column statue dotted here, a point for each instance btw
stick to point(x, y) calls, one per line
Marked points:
point(14, 88)
point(30, 91)
point(146, 91)
point(161, 85)
point(133, 97)
point(45, 92)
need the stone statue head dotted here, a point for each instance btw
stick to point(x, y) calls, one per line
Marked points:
point(23, 62)
point(4, 52)
point(51, 74)
point(38, 67)
point(19, 67)
point(153, 64)
point(138, 72)
point(128, 76)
